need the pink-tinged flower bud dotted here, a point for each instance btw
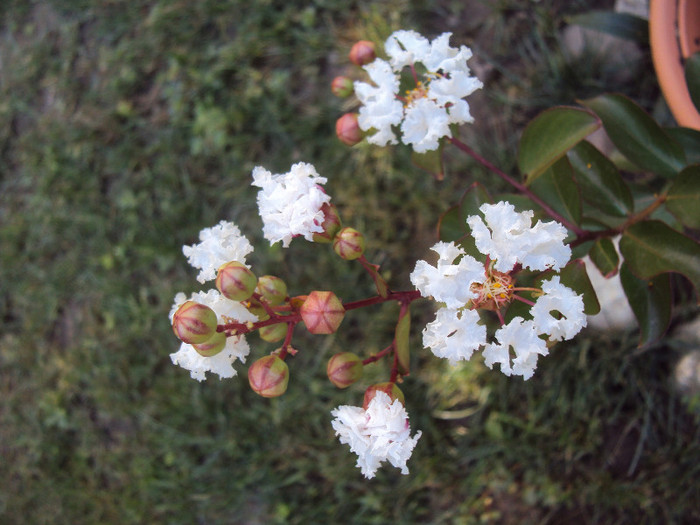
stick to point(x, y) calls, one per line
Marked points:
point(194, 323)
point(211, 346)
point(235, 281)
point(342, 87)
point(331, 224)
point(322, 312)
point(362, 53)
point(273, 289)
point(349, 244)
point(256, 308)
point(348, 130)
point(390, 389)
point(269, 376)
point(273, 333)
point(344, 369)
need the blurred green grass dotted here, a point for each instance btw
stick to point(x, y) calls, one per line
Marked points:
point(126, 127)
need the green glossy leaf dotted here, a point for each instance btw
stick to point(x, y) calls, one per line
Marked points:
point(574, 276)
point(557, 188)
point(431, 161)
point(550, 135)
point(650, 300)
point(689, 139)
point(683, 198)
point(692, 78)
point(401, 339)
point(651, 248)
point(600, 181)
point(605, 257)
point(451, 227)
point(472, 200)
point(622, 25)
point(637, 135)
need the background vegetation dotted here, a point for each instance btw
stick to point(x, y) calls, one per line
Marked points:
point(127, 126)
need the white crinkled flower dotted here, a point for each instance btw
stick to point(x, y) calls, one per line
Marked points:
point(523, 337)
point(564, 300)
point(290, 203)
point(219, 244)
point(508, 237)
point(448, 283)
point(236, 347)
point(426, 112)
point(454, 334)
point(380, 433)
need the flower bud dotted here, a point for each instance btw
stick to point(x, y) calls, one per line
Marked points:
point(349, 244)
point(322, 312)
point(331, 224)
point(273, 333)
point(393, 391)
point(269, 376)
point(362, 53)
point(342, 87)
point(344, 369)
point(256, 308)
point(235, 281)
point(348, 129)
point(211, 346)
point(194, 323)
point(273, 289)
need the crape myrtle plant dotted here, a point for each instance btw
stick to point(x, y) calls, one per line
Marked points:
point(505, 278)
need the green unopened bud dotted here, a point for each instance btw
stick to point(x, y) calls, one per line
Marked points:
point(273, 289)
point(273, 333)
point(269, 376)
point(235, 281)
point(348, 129)
point(256, 308)
point(362, 53)
point(349, 244)
point(344, 369)
point(211, 346)
point(393, 391)
point(331, 224)
point(322, 312)
point(194, 323)
point(342, 87)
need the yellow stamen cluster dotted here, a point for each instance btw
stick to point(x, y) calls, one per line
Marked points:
point(495, 292)
point(420, 91)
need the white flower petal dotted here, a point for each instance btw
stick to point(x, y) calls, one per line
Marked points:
point(454, 334)
point(424, 125)
point(523, 338)
point(219, 244)
point(558, 297)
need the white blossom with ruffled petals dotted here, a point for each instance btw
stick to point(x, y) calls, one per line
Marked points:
point(447, 282)
point(508, 237)
point(522, 336)
point(427, 111)
point(454, 334)
point(218, 245)
point(236, 347)
point(558, 298)
point(380, 433)
point(290, 203)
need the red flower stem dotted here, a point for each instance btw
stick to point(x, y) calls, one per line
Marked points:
point(500, 317)
point(519, 186)
point(415, 75)
point(287, 340)
point(523, 300)
point(395, 368)
point(379, 355)
point(264, 304)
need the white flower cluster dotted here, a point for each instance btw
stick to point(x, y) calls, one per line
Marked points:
point(290, 203)
point(507, 238)
point(236, 347)
point(219, 244)
point(380, 433)
point(426, 112)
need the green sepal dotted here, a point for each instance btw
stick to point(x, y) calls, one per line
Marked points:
point(605, 257)
point(683, 197)
point(637, 135)
point(600, 181)
point(650, 300)
point(550, 135)
point(556, 187)
point(401, 338)
point(652, 247)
